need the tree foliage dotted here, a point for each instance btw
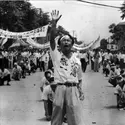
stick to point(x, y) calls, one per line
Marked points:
point(117, 32)
point(122, 9)
point(103, 44)
point(20, 16)
point(62, 30)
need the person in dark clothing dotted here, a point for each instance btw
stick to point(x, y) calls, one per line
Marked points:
point(42, 65)
point(22, 65)
point(50, 64)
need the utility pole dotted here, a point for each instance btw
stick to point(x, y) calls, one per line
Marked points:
point(73, 32)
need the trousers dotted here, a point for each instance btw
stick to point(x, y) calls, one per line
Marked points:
point(66, 102)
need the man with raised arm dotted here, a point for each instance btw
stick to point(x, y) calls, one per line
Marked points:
point(67, 77)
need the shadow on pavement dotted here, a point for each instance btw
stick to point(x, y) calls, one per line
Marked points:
point(42, 119)
point(111, 107)
point(110, 86)
point(39, 100)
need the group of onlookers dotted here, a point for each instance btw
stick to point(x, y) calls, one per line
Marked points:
point(114, 68)
point(16, 65)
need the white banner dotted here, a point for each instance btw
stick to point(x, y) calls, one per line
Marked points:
point(39, 32)
point(96, 44)
point(83, 48)
point(47, 45)
point(37, 45)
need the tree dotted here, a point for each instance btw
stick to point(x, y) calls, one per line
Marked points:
point(123, 11)
point(62, 30)
point(117, 32)
point(20, 16)
point(103, 44)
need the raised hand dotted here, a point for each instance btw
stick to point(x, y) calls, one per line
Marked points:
point(55, 16)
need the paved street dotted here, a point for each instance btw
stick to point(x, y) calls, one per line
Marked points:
point(20, 103)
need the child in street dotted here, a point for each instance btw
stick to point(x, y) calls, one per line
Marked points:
point(47, 97)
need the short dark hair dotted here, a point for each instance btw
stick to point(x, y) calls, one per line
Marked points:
point(59, 40)
point(119, 77)
point(46, 72)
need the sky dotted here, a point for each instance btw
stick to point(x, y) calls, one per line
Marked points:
point(86, 21)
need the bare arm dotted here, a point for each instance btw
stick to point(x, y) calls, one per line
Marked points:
point(80, 90)
point(53, 36)
point(55, 17)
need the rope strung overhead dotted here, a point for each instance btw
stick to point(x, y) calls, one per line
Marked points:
point(98, 4)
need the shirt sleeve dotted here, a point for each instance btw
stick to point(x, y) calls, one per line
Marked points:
point(116, 90)
point(6, 72)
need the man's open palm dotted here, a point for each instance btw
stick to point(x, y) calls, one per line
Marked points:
point(55, 15)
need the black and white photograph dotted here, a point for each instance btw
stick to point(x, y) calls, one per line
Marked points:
point(62, 62)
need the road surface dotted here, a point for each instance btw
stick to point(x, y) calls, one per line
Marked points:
point(20, 103)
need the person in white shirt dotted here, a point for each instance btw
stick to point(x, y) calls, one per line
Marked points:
point(16, 72)
point(117, 70)
point(106, 56)
point(47, 93)
point(4, 76)
point(45, 79)
point(47, 97)
point(67, 78)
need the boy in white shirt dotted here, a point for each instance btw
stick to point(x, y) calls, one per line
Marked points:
point(46, 79)
point(47, 97)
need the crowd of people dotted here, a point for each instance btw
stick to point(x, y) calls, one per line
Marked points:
point(16, 65)
point(114, 69)
point(61, 85)
point(112, 64)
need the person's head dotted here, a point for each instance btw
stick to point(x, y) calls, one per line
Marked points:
point(48, 74)
point(15, 65)
point(65, 43)
point(117, 66)
point(119, 79)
